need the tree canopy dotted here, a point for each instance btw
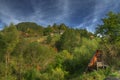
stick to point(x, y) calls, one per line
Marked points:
point(110, 29)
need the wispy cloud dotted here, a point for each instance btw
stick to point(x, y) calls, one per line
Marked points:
point(77, 13)
point(101, 8)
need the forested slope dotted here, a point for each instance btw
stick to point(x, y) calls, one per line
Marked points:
point(29, 51)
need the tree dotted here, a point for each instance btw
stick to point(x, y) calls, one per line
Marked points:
point(38, 54)
point(55, 27)
point(49, 39)
point(62, 27)
point(110, 29)
point(11, 38)
point(31, 28)
point(2, 46)
point(69, 40)
point(110, 36)
point(84, 33)
point(47, 30)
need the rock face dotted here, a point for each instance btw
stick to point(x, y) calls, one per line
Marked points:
point(111, 78)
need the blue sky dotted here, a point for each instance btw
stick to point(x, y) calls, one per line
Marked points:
point(74, 13)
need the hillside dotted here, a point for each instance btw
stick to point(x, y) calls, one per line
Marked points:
point(29, 51)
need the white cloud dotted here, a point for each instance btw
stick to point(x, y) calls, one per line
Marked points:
point(100, 10)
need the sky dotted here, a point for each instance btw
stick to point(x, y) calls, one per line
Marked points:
point(74, 13)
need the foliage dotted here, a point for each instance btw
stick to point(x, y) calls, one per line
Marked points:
point(48, 30)
point(32, 75)
point(49, 39)
point(37, 54)
point(110, 29)
point(81, 57)
point(3, 46)
point(32, 52)
point(69, 40)
point(31, 28)
point(98, 75)
point(110, 32)
point(11, 36)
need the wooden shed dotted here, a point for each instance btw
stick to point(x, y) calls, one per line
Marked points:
point(96, 61)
